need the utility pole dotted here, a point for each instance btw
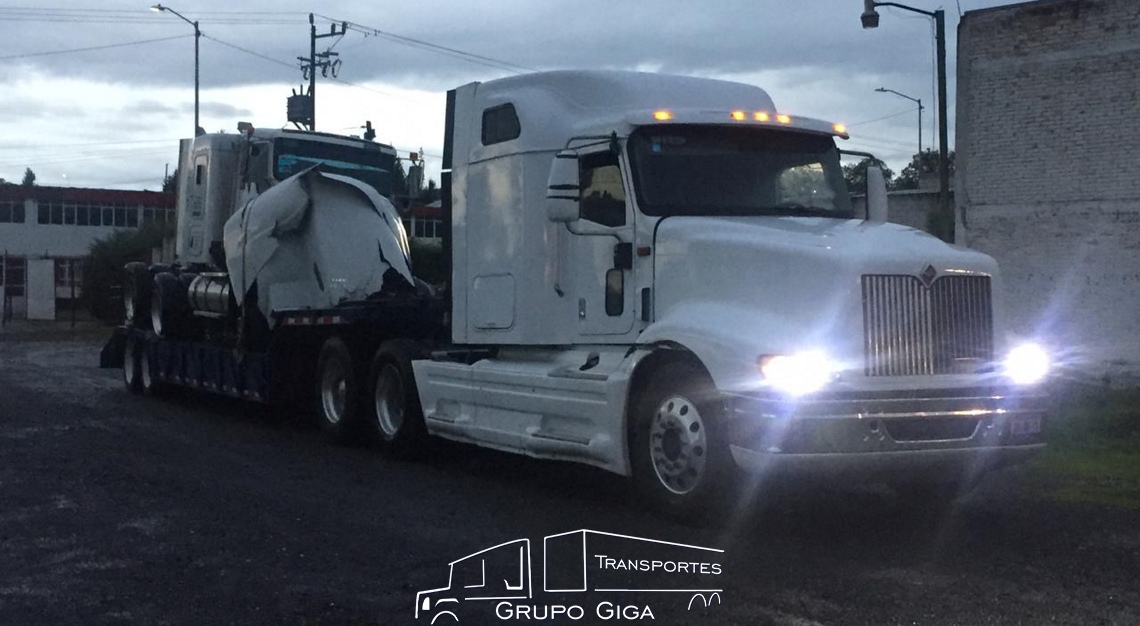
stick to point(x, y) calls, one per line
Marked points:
point(326, 61)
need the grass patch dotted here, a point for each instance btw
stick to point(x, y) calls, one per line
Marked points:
point(1094, 447)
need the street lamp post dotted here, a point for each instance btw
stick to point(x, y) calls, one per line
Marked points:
point(915, 100)
point(870, 19)
point(158, 8)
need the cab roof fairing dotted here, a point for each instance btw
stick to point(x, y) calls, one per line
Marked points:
point(724, 118)
point(554, 107)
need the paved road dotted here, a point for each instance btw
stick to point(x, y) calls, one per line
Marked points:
point(116, 509)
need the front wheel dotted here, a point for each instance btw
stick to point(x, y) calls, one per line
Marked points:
point(680, 456)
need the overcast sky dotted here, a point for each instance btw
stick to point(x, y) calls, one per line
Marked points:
point(112, 116)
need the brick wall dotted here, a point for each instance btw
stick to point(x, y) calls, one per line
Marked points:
point(1048, 164)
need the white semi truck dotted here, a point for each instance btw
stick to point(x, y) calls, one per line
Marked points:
point(661, 276)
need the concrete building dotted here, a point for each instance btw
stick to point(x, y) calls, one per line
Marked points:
point(46, 231)
point(1048, 168)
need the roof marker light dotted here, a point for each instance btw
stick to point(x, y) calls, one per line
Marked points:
point(839, 128)
point(737, 115)
point(783, 119)
point(662, 115)
point(760, 116)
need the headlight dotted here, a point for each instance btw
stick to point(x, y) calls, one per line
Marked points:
point(1027, 364)
point(797, 374)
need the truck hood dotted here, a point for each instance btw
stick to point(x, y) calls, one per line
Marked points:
point(739, 287)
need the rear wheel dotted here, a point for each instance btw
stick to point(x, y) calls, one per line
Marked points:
point(167, 301)
point(137, 295)
point(338, 394)
point(396, 418)
point(681, 461)
point(132, 369)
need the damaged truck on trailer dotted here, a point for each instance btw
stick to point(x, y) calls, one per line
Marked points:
point(661, 276)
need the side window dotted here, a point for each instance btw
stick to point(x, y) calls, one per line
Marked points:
point(603, 197)
point(500, 123)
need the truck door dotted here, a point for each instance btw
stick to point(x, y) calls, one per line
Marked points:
point(600, 250)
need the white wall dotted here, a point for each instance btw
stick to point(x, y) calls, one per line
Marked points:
point(1047, 168)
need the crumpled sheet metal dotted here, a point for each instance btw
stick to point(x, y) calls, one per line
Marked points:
point(315, 240)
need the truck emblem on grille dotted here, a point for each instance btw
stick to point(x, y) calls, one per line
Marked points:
point(927, 276)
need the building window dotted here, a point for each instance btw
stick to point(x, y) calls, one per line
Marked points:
point(132, 217)
point(81, 215)
point(69, 273)
point(12, 272)
point(427, 229)
point(12, 211)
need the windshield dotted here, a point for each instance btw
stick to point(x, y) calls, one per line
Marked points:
point(368, 165)
point(733, 170)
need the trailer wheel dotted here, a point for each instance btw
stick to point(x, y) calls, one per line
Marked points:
point(396, 418)
point(132, 370)
point(338, 393)
point(679, 452)
point(136, 295)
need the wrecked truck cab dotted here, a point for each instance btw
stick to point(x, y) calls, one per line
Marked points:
point(315, 240)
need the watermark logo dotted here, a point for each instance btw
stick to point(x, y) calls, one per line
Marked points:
point(586, 575)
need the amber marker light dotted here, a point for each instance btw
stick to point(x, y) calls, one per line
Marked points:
point(839, 128)
point(760, 116)
point(662, 115)
point(737, 115)
point(783, 119)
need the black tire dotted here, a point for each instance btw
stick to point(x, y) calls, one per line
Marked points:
point(338, 392)
point(679, 451)
point(137, 284)
point(132, 377)
point(150, 386)
point(395, 419)
point(168, 303)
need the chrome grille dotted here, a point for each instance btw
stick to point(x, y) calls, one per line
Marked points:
point(912, 330)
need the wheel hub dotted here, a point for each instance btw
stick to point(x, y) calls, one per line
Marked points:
point(678, 444)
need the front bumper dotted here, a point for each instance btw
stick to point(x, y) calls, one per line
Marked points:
point(874, 435)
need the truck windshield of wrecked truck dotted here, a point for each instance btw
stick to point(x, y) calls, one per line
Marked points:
point(737, 171)
point(370, 166)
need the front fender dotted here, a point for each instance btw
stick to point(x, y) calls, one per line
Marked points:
point(729, 339)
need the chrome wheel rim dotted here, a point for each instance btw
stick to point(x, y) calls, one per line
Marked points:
point(389, 401)
point(678, 445)
point(130, 365)
point(156, 316)
point(144, 369)
point(334, 390)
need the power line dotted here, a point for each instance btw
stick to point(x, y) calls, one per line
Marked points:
point(248, 51)
point(90, 48)
point(879, 119)
point(426, 45)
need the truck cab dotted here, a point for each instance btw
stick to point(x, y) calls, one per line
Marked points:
point(668, 281)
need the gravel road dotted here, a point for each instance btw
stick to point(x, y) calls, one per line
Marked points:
point(117, 509)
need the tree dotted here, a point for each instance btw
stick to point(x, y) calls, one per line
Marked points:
point(856, 175)
point(29, 178)
point(170, 183)
point(431, 194)
point(922, 162)
point(103, 267)
point(399, 179)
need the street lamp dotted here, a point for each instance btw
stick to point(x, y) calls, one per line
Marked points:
point(915, 100)
point(944, 226)
point(158, 8)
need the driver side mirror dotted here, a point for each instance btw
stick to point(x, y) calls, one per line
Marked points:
point(563, 188)
point(876, 195)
